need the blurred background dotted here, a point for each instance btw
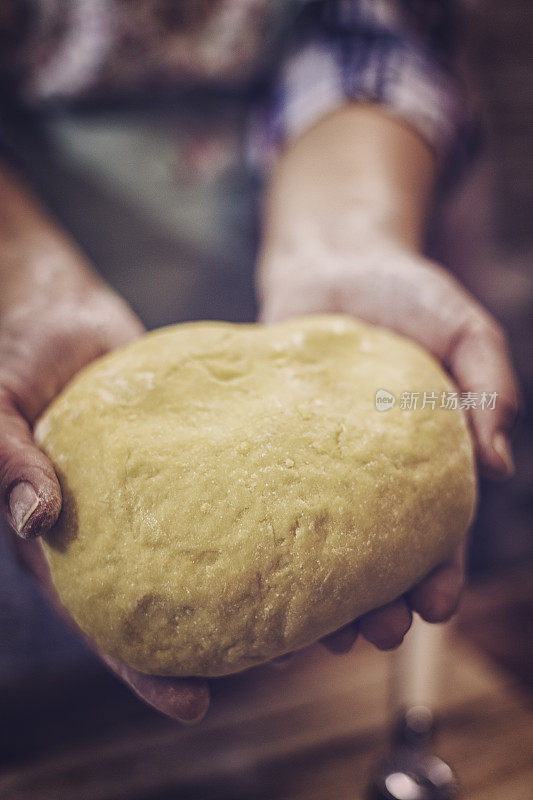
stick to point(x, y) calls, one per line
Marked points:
point(168, 213)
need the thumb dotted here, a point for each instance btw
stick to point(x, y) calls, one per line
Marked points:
point(29, 489)
point(480, 363)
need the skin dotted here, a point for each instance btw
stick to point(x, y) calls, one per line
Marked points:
point(343, 225)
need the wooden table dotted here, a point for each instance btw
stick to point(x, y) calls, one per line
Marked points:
point(313, 730)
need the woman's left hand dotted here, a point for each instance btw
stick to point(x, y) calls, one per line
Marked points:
point(388, 285)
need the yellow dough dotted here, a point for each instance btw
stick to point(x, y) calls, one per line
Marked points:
point(231, 492)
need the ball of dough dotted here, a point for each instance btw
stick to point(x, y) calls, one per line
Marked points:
point(231, 492)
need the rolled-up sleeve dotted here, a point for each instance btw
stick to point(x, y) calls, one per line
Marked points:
point(368, 51)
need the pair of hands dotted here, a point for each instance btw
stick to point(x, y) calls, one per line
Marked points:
point(46, 337)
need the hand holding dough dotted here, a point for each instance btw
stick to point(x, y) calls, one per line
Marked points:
point(231, 493)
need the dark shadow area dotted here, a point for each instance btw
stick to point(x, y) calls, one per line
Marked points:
point(66, 529)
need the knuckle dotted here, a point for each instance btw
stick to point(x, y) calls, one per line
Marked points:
point(497, 334)
point(9, 413)
point(386, 629)
point(389, 639)
point(398, 630)
point(481, 325)
point(441, 606)
point(509, 411)
point(493, 332)
point(9, 473)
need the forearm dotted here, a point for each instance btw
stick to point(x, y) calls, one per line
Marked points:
point(357, 176)
point(34, 253)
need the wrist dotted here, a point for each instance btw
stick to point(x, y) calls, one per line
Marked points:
point(37, 260)
point(44, 269)
point(339, 222)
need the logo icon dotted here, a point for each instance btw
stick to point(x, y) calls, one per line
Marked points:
point(384, 400)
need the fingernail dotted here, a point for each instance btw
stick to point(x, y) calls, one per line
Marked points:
point(501, 444)
point(23, 501)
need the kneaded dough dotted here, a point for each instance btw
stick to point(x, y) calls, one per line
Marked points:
point(231, 492)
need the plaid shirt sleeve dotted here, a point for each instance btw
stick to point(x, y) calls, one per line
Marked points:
point(394, 53)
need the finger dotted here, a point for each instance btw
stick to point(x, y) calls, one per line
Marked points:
point(386, 626)
point(480, 363)
point(182, 699)
point(29, 489)
point(342, 640)
point(436, 597)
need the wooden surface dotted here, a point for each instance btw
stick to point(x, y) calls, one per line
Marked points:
point(313, 730)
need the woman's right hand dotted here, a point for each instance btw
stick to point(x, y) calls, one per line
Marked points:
point(55, 319)
point(47, 334)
